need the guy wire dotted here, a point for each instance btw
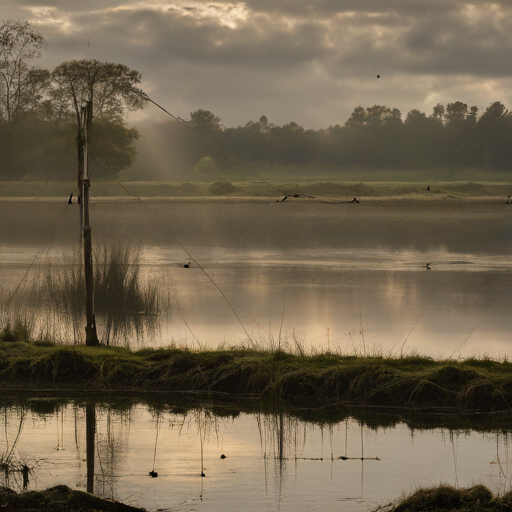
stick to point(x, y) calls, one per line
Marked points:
point(478, 324)
point(178, 242)
point(243, 164)
point(448, 282)
point(36, 256)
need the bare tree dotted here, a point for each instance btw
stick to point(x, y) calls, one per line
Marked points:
point(21, 85)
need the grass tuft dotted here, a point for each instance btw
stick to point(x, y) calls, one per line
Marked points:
point(447, 498)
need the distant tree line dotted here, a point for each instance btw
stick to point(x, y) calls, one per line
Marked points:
point(39, 112)
point(40, 109)
point(375, 137)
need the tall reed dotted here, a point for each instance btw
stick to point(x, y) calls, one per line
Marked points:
point(128, 303)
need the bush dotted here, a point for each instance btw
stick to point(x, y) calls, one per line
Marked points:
point(221, 188)
point(18, 332)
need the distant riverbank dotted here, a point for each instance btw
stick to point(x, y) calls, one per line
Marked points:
point(320, 190)
point(410, 382)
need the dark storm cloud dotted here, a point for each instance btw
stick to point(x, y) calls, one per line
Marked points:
point(404, 7)
point(450, 44)
point(312, 62)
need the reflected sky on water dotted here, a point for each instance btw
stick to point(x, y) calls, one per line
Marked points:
point(273, 461)
point(348, 277)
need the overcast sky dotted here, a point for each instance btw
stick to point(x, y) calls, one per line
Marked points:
point(311, 62)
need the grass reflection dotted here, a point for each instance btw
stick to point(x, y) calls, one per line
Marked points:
point(51, 306)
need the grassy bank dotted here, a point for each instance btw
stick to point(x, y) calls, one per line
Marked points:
point(446, 498)
point(338, 379)
point(59, 499)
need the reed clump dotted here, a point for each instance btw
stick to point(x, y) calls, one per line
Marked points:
point(410, 382)
point(440, 498)
point(129, 305)
point(17, 331)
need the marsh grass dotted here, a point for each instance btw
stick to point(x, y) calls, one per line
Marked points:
point(372, 381)
point(51, 306)
point(18, 331)
point(477, 498)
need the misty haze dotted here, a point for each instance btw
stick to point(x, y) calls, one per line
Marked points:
point(255, 256)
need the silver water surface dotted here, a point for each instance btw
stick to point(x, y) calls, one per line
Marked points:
point(273, 461)
point(303, 274)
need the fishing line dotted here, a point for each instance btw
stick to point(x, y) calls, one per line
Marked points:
point(24, 216)
point(478, 324)
point(186, 323)
point(22, 279)
point(178, 242)
point(36, 256)
point(449, 281)
point(156, 441)
point(55, 232)
point(282, 316)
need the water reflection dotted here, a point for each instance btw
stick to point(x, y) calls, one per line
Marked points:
point(90, 426)
point(306, 269)
point(287, 459)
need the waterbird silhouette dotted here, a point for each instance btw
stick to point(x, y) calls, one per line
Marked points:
point(427, 266)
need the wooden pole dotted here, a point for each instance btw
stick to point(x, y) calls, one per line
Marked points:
point(91, 336)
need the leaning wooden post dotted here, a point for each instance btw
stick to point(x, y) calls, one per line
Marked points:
point(91, 336)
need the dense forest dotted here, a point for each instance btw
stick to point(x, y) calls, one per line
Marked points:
point(39, 112)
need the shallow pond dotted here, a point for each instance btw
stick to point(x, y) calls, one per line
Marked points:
point(348, 277)
point(273, 460)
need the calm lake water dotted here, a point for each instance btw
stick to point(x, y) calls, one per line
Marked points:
point(336, 276)
point(348, 277)
point(273, 460)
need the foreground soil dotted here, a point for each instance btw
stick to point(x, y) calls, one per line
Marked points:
point(412, 382)
point(59, 499)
